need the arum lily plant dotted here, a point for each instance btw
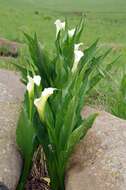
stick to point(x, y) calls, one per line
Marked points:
point(56, 91)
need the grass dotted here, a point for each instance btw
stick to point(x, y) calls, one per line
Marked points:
point(17, 16)
point(104, 19)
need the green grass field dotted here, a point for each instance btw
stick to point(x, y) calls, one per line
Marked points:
point(105, 19)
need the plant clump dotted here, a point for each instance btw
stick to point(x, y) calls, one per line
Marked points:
point(55, 95)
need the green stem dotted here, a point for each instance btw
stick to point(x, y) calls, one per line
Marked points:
point(57, 176)
point(30, 108)
point(24, 175)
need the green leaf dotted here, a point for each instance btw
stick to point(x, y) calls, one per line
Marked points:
point(80, 132)
point(123, 87)
point(25, 135)
point(79, 30)
point(27, 142)
point(69, 121)
point(89, 52)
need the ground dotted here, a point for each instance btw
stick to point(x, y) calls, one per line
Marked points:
point(104, 20)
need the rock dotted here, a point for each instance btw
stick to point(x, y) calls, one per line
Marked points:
point(9, 48)
point(11, 95)
point(11, 89)
point(3, 187)
point(99, 161)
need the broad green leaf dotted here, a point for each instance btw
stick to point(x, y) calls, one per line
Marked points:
point(89, 53)
point(27, 142)
point(25, 135)
point(80, 132)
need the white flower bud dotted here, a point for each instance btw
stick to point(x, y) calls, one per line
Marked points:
point(37, 80)
point(59, 26)
point(78, 54)
point(30, 85)
point(71, 32)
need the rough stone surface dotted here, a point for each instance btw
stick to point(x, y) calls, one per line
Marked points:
point(11, 95)
point(99, 161)
point(11, 89)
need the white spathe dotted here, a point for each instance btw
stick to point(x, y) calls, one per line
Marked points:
point(78, 54)
point(71, 32)
point(59, 26)
point(31, 81)
point(37, 80)
point(48, 92)
point(77, 46)
point(30, 85)
point(41, 102)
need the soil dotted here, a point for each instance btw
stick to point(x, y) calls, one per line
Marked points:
point(36, 180)
point(37, 184)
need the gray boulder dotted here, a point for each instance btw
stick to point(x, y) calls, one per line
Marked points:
point(99, 161)
point(3, 187)
point(11, 95)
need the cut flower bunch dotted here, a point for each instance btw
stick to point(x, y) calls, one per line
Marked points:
point(55, 95)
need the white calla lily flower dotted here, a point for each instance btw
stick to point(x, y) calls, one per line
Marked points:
point(48, 92)
point(30, 85)
point(77, 46)
point(78, 55)
point(37, 80)
point(41, 102)
point(59, 26)
point(71, 32)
